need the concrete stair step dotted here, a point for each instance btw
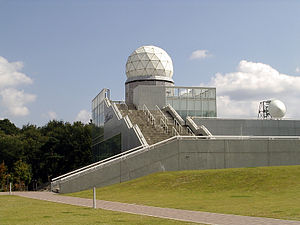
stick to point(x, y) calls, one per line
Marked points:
point(152, 134)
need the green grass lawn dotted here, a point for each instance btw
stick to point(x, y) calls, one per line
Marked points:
point(263, 191)
point(22, 211)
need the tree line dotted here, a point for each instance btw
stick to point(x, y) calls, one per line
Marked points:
point(31, 156)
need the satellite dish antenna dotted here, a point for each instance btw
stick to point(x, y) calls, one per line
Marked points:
point(273, 108)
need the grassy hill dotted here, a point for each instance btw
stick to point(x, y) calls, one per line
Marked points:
point(262, 191)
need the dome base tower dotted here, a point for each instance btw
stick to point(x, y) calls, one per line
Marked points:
point(130, 85)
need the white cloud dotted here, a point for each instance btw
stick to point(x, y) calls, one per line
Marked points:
point(10, 75)
point(84, 116)
point(52, 115)
point(14, 100)
point(240, 92)
point(200, 54)
point(297, 69)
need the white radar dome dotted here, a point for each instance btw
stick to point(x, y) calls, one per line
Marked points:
point(149, 61)
point(277, 109)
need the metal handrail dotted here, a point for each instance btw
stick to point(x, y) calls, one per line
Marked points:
point(190, 122)
point(230, 137)
point(177, 126)
point(128, 121)
point(101, 163)
point(150, 118)
point(117, 111)
point(207, 132)
point(190, 131)
point(174, 114)
point(97, 163)
point(107, 102)
point(174, 132)
point(140, 135)
point(162, 114)
point(164, 125)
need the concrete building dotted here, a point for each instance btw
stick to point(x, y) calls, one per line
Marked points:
point(164, 127)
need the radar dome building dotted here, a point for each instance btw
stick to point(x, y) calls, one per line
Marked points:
point(147, 65)
point(271, 109)
point(149, 61)
point(277, 109)
point(164, 127)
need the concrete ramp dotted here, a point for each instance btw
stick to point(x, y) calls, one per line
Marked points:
point(183, 153)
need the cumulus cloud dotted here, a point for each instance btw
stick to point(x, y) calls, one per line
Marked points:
point(14, 100)
point(52, 115)
point(84, 116)
point(200, 54)
point(240, 92)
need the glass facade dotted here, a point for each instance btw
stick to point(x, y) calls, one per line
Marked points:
point(98, 107)
point(192, 101)
point(107, 148)
point(101, 148)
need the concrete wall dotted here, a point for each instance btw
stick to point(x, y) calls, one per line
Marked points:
point(250, 127)
point(130, 86)
point(183, 154)
point(114, 126)
point(149, 95)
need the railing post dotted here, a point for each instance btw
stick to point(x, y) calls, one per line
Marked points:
point(94, 197)
point(10, 188)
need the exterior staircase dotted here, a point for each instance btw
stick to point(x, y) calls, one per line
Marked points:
point(151, 132)
point(151, 124)
point(182, 130)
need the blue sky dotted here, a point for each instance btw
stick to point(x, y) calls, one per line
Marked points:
point(69, 50)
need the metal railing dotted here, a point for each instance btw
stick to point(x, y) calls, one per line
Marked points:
point(174, 132)
point(130, 125)
point(108, 161)
point(164, 126)
point(163, 121)
point(128, 121)
point(117, 111)
point(140, 135)
point(174, 114)
point(177, 125)
point(162, 114)
point(205, 130)
point(150, 117)
point(107, 102)
point(190, 131)
point(96, 163)
point(226, 137)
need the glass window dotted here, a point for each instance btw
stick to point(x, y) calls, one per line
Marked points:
point(192, 101)
point(176, 103)
point(98, 107)
point(176, 93)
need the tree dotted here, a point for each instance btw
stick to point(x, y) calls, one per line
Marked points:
point(3, 175)
point(68, 147)
point(8, 128)
point(33, 140)
point(21, 175)
point(11, 149)
point(41, 153)
point(81, 141)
